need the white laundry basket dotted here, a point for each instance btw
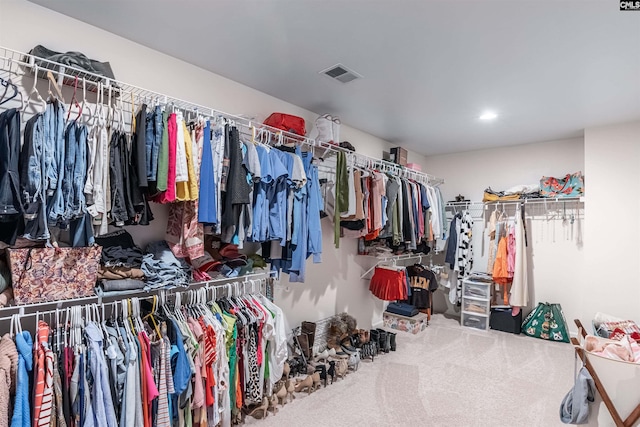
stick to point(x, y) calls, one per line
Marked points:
point(620, 380)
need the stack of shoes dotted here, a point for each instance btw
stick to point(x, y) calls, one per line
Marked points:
point(385, 341)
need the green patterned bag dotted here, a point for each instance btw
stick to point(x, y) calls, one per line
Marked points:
point(546, 322)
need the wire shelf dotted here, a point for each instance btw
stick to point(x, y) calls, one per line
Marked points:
point(68, 75)
point(218, 282)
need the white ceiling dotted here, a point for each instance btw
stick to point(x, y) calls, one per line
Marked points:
point(548, 68)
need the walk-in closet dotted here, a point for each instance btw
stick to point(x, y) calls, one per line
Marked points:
point(277, 213)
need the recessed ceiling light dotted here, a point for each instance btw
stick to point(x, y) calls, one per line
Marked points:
point(488, 115)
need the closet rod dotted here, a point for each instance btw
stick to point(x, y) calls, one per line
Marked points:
point(539, 200)
point(363, 160)
point(116, 300)
point(68, 74)
point(394, 258)
point(99, 299)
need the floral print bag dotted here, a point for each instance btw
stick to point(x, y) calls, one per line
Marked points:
point(572, 185)
point(53, 274)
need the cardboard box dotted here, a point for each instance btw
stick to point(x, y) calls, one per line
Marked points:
point(399, 155)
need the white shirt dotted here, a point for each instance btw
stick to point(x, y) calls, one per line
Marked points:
point(182, 172)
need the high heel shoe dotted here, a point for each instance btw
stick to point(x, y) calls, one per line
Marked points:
point(323, 355)
point(262, 408)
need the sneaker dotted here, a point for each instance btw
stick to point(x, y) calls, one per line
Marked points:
point(324, 125)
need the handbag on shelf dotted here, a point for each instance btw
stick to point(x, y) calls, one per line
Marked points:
point(572, 185)
point(53, 274)
point(287, 123)
point(546, 322)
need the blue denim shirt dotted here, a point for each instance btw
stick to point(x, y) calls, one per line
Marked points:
point(207, 203)
point(153, 140)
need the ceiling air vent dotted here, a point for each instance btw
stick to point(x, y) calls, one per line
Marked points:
point(341, 73)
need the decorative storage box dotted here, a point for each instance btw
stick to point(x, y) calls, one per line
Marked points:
point(413, 325)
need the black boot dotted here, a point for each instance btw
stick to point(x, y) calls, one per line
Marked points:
point(382, 340)
point(374, 337)
point(393, 341)
point(309, 329)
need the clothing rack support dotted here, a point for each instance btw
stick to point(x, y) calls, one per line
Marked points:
point(634, 415)
point(394, 259)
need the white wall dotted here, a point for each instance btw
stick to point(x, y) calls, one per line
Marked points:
point(612, 253)
point(556, 254)
point(469, 173)
point(332, 286)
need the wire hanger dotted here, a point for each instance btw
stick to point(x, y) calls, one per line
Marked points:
point(7, 84)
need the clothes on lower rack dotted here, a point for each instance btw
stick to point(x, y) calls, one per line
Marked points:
point(197, 365)
point(423, 283)
point(390, 284)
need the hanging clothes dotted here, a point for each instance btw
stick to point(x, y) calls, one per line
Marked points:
point(8, 371)
point(341, 192)
point(491, 232)
point(520, 287)
point(464, 254)
point(389, 284)
point(21, 406)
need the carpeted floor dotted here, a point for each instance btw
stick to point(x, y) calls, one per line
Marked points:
point(445, 376)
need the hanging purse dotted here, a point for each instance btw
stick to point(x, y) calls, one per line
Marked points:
point(52, 274)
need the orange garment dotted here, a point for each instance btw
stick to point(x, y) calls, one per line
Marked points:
point(239, 401)
point(373, 235)
point(43, 396)
point(500, 266)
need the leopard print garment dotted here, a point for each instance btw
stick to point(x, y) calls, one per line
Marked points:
point(254, 389)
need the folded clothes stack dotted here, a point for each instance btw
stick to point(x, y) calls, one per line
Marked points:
point(227, 260)
point(120, 266)
point(514, 193)
point(162, 269)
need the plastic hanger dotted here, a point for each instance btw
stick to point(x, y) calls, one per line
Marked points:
point(23, 104)
point(151, 316)
point(7, 84)
point(34, 91)
point(84, 106)
point(74, 101)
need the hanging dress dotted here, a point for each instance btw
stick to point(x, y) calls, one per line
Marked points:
point(520, 287)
